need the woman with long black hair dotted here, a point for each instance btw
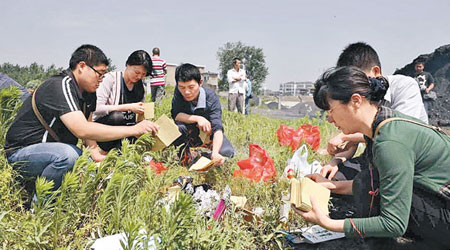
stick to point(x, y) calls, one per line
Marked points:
point(121, 94)
point(411, 159)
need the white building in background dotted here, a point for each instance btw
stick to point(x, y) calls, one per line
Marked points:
point(210, 79)
point(296, 88)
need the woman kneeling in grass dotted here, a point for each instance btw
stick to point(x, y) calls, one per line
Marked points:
point(411, 159)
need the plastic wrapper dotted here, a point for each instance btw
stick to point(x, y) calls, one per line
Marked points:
point(306, 133)
point(298, 165)
point(259, 165)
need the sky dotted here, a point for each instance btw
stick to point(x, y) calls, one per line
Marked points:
point(300, 39)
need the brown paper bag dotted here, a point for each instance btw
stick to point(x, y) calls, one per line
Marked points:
point(168, 132)
point(149, 112)
point(302, 189)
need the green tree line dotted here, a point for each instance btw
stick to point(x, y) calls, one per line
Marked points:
point(29, 76)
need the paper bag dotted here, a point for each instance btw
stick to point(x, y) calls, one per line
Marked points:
point(202, 164)
point(167, 133)
point(149, 112)
point(301, 191)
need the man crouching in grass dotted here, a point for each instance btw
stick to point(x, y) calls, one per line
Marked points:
point(194, 109)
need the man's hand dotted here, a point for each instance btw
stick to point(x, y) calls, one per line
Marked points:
point(322, 181)
point(335, 144)
point(203, 124)
point(330, 169)
point(218, 159)
point(137, 107)
point(144, 127)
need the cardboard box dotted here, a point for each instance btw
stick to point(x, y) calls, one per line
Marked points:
point(302, 189)
point(168, 132)
point(149, 112)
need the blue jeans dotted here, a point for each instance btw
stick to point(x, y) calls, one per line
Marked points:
point(50, 160)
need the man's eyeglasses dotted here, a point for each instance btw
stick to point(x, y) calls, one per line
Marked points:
point(100, 75)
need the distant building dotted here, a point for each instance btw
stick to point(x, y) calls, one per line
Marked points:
point(296, 88)
point(210, 79)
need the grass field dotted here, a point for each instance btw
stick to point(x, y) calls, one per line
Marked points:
point(121, 195)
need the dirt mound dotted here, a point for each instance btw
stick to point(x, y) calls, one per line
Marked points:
point(438, 64)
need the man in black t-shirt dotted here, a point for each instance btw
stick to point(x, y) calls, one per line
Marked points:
point(66, 102)
point(426, 84)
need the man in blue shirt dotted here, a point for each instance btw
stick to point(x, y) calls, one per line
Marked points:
point(195, 109)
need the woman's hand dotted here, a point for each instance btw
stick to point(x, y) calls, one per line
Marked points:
point(137, 107)
point(318, 217)
point(97, 154)
point(315, 215)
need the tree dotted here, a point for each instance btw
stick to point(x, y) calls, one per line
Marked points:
point(252, 58)
point(34, 73)
point(111, 67)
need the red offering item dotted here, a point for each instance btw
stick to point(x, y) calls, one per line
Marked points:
point(258, 166)
point(219, 210)
point(157, 166)
point(285, 134)
point(294, 138)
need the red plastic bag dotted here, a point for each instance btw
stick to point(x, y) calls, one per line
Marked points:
point(285, 134)
point(157, 166)
point(258, 166)
point(312, 135)
point(294, 138)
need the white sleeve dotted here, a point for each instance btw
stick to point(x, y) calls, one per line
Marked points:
point(230, 76)
point(406, 97)
point(104, 92)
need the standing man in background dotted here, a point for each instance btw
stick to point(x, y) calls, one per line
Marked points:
point(236, 78)
point(426, 84)
point(248, 95)
point(157, 82)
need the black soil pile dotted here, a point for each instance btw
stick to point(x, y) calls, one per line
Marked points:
point(438, 64)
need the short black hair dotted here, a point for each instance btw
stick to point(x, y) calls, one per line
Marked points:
point(341, 83)
point(141, 57)
point(186, 72)
point(360, 55)
point(89, 54)
point(155, 51)
point(236, 59)
point(419, 62)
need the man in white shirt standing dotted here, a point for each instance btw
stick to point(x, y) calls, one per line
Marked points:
point(236, 78)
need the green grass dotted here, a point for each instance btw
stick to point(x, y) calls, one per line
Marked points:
point(121, 195)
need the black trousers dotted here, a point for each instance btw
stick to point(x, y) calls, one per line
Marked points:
point(190, 137)
point(429, 219)
point(116, 118)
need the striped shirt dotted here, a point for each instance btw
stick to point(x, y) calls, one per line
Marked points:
point(159, 66)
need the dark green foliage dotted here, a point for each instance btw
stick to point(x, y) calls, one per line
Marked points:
point(9, 105)
point(25, 74)
point(254, 59)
